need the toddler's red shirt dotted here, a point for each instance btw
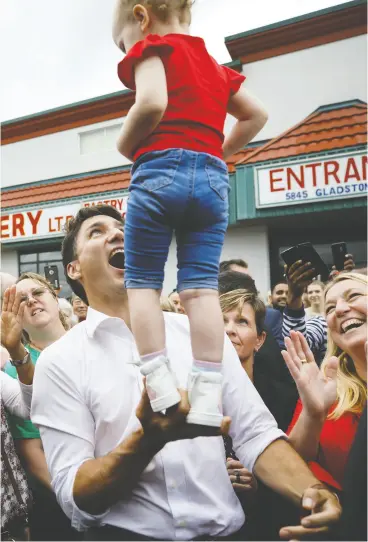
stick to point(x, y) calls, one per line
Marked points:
point(198, 88)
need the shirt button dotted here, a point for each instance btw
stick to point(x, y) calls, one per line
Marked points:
point(182, 523)
point(172, 484)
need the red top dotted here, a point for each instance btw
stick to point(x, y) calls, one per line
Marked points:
point(198, 93)
point(336, 439)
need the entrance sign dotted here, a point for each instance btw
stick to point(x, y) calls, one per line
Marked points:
point(310, 180)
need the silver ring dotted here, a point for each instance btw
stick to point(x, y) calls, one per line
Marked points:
point(237, 477)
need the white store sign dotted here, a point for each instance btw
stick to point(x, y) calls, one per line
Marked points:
point(47, 222)
point(321, 179)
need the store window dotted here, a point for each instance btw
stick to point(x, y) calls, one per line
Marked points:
point(35, 262)
point(100, 139)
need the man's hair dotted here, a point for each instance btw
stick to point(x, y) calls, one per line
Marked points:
point(226, 264)
point(236, 300)
point(69, 245)
point(282, 281)
point(235, 280)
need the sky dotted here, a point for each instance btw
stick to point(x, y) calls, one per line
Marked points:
point(59, 52)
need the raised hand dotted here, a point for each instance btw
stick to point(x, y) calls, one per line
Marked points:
point(12, 319)
point(317, 388)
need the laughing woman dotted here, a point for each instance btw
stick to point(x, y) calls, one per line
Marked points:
point(331, 398)
point(42, 324)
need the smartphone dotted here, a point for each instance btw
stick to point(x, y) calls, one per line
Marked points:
point(339, 251)
point(306, 253)
point(52, 276)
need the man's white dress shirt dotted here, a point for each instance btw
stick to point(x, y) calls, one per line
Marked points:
point(85, 393)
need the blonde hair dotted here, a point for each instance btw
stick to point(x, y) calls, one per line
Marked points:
point(167, 305)
point(351, 389)
point(162, 9)
point(236, 299)
point(43, 282)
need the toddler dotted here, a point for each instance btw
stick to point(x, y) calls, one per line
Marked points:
point(174, 135)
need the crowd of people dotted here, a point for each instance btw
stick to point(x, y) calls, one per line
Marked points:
point(206, 415)
point(95, 459)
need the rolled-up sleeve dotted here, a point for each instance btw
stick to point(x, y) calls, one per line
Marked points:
point(67, 432)
point(253, 428)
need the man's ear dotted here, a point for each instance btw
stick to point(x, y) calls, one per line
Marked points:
point(73, 270)
point(142, 15)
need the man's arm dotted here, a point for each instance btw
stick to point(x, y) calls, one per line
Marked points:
point(284, 471)
point(299, 275)
point(149, 108)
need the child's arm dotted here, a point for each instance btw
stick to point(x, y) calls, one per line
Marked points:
point(251, 117)
point(149, 108)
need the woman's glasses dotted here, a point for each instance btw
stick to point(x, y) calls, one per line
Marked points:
point(35, 294)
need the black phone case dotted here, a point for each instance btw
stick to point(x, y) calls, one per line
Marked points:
point(339, 251)
point(52, 275)
point(307, 253)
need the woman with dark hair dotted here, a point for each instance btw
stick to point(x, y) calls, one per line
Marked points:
point(41, 324)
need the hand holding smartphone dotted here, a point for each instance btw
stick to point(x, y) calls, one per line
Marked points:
point(306, 253)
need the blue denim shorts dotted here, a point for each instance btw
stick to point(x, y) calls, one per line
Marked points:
point(179, 191)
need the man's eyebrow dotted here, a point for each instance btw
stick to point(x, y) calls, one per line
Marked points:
point(96, 225)
point(119, 224)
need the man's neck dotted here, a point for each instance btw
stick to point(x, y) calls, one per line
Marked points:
point(116, 307)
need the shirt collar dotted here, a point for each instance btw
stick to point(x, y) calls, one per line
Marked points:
point(96, 319)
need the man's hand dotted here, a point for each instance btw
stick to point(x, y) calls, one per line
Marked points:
point(325, 511)
point(162, 428)
point(242, 480)
point(349, 265)
point(299, 276)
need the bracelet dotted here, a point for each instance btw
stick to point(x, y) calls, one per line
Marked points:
point(321, 486)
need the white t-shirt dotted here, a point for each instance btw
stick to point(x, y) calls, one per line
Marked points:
point(86, 390)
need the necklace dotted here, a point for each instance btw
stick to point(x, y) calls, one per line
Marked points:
point(32, 345)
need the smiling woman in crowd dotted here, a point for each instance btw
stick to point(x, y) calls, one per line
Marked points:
point(42, 324)
point(331, 398)
point(315, 299)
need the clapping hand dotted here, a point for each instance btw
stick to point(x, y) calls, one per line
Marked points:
point(12, 319)
point(317, 388)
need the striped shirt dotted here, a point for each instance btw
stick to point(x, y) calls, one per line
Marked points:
point(314, 330)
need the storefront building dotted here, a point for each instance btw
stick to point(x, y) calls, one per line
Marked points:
point(303, 179)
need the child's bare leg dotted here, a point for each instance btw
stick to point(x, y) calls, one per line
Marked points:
point(207, 336)
point(206, 323)
point(147, 320)
point(148, 327)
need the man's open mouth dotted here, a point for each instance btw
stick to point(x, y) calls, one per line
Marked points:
point(117, 259)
